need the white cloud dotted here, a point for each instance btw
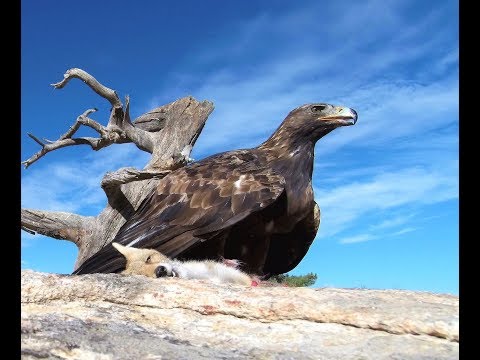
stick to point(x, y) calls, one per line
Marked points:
point(357, 239)
point(446, 61)
point(403, 231)
point(374, 235)
point(251, 102)
point(392, 222)
point(363, 61)
point(74, 185)
point(343, 205)
point(387, 111)
point(392, 111)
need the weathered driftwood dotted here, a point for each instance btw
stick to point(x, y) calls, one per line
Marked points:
point(168, 133)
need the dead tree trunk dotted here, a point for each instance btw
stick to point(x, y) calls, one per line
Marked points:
point(168, 133)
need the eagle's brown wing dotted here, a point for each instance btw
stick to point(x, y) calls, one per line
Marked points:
point(287, 250)
point(191, 203)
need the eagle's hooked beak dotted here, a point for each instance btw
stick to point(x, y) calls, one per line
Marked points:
point(342, 116)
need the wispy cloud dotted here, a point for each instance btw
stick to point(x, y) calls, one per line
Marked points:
point(388, 110)
point(393, 222)
point(397, 109)
point(360, 71)
point(386, 186)
point(74, 186)
point(344, 205)
point(356, 239)
point(403, 231)
point(374, 235)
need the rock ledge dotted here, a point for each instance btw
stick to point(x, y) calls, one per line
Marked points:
point(110, 316)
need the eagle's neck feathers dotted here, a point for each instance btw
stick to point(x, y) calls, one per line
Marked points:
point(289, 137)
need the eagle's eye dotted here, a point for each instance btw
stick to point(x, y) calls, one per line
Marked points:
point(149, 259)
point(318, 108)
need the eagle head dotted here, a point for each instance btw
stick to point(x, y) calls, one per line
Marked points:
point(313, 121)
point(324, 115)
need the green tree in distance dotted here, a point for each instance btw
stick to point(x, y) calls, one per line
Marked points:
point(295, 281)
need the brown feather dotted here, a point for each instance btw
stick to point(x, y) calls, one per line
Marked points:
point(254, 205)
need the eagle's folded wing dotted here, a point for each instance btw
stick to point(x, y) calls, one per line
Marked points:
point(191, 203)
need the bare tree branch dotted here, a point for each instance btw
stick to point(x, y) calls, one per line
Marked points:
point(28, 230)
point(167, 132)
point(116, 117)
point(93, 83)
point(154, 134)
point(55, 224)
point(139, 137)
point(107, 137)
point(36, 139)
point(119, 129)
point(95, 143)
point(112, 180)
point(73, 129)
point(185, 111)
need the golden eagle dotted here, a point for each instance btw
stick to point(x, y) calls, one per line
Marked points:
point(254, 205)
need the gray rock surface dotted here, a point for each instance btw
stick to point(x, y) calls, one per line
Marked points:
point(110, 316)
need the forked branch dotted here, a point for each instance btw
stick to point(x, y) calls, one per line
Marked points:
point(168, 132)
point(82, 120)
point(139, 137)
point(119, 129)
point(102, 90)
point(66, 139)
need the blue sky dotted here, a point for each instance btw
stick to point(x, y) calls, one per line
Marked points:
point(387, 187)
